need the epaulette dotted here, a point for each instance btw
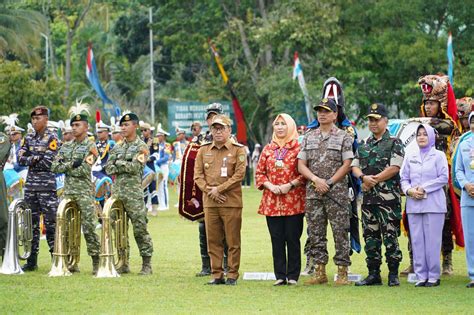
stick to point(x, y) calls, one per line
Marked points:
point(205, 143)
point(237, 144)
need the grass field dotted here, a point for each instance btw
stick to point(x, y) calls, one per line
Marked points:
point(173, 288)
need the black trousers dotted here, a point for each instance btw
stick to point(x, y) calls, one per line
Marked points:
point(285, 232)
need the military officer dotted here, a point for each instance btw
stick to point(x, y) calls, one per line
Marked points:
point(38, 151)
point(127, 161)
point(4, 153)
point(324, 159)
point(218, 172)
point(377, 165)
point(75, 160)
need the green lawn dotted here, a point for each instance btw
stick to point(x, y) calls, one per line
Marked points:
point(173, 288)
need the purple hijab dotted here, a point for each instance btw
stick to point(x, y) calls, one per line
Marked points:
point(431, 139)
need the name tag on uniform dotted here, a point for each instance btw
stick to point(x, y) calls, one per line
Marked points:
point(224, 168)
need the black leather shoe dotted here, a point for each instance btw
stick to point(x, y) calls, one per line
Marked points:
point(393, 280)
point(27, 267)
point(372, 279)
point(420, 284)
point(470, 285)
point(432, 284)
point(230, 281)
point(216, 281)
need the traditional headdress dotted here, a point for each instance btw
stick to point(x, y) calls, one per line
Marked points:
point(79, 112)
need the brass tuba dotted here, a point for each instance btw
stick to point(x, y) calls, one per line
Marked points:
point(114, 234)
point(19, 237)
point(67, 239)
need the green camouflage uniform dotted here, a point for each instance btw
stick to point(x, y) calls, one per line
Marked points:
point(127, 161)
point(78, 185)
point(381, 211)
point(4, 153)
point(325, 154)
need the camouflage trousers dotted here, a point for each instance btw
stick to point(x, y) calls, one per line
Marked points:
point(46, 203)
point(136, 212)
point(88, 222)
point(318, 213)
point(381, 223)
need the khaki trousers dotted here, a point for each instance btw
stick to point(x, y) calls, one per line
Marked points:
point(223, 223)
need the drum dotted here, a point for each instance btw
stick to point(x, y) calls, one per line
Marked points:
point(14, 184)
point(103, 187)
point(175, 168)
point(60, 184)
point(405, 130)
point(148, 177)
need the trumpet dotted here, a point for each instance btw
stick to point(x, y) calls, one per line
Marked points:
point(67, 239)
point(114, 239)
point(19, 237)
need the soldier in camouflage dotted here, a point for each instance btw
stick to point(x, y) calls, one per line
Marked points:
point(75, 160)
point(37, 152)
point(325, 159)
point(127, 161)
point(4, 153)
point(377, 164)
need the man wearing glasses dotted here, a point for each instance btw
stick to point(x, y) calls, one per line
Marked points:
point(218, 172)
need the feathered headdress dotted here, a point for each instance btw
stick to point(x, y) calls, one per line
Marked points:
point(11, 122)
point(79, 109)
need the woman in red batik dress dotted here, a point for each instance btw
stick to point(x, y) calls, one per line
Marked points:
point(283, 198)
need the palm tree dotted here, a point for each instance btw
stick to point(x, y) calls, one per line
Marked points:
point(20, 34)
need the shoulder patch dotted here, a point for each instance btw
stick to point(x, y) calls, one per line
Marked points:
point(141, 158)
point(53, 145)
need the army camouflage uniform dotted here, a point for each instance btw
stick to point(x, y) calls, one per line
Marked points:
point(75, 160)
point(4, 153)
point(38, 152)
point(127, 161)
point(381, 211)
point(325, 154)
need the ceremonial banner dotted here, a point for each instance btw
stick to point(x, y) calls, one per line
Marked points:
point(190, 196)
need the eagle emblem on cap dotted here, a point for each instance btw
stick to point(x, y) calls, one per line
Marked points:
point(374, 106)
point(127, 117)
point(325, 100)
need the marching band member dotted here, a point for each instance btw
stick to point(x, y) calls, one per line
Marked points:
point(150, 191)
point(4, 153)
point(37, 152)
point(162, 158)
point(127, 161)
point(75, 160)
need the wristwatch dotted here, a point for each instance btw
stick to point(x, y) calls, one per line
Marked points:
point(362, 177)
point(330, 183)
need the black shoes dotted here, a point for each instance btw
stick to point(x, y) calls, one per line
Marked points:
point(470, 285)
point(432, 284)
point(230, 281)
point(421, 283)
point(393, 280)
point(216, 281)
point(372, 279)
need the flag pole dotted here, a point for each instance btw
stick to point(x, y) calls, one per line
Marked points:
point(152, 88)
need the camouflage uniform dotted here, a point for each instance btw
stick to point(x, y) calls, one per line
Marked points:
point(127, 161)
point(381, 211)
point(78, 185)
point(325, 154)
point(38, 152)
point(4, 153)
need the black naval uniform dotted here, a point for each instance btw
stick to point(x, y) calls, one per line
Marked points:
point(37, 153)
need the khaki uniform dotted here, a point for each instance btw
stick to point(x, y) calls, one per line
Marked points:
point(325, 154)
point(222, 220)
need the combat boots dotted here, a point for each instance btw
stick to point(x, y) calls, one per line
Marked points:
point(124, 268)
point(74, 268)
point(206, 267)
point(342, 278)
point(309, 269)
point(95, 265)
point(448, 264)
point(372, 279)
point(146, 266)
point(31, 263)
point(393, 275)
point(319, 277)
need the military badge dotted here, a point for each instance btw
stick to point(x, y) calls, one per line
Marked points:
point(90, 159)
point(53, 145)
point(141, 158)
point(241, 158)
point(374, 106)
